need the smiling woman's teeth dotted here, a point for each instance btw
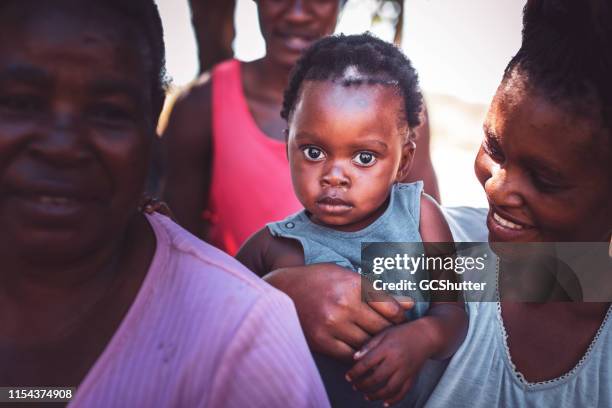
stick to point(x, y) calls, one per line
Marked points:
point(297, 42)
point(506, 223)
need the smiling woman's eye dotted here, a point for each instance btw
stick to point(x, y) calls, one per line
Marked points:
point(544, 184)
point(313, 153)
point(492, 148)
point(364, 159)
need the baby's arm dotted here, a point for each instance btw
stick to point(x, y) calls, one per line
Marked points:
point(263, 253)
point(446, 317)
point(387, 365)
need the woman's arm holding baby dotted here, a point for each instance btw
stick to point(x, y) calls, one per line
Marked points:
point(387, 365)
point(327, 297)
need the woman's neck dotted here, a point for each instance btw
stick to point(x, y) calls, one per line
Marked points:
point(57, 301)
point(52, 276)
point(28, 277)
point(266, 77)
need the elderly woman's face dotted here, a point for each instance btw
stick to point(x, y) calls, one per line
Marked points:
point(75, 133)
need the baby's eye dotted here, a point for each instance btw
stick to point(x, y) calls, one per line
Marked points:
point(364, 159)
point(313, 153)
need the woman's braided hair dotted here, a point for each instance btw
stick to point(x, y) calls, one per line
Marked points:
point(566, 54)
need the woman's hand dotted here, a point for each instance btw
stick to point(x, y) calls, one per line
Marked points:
point(334, 318)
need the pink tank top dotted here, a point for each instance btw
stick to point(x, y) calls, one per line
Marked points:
point(251, 182)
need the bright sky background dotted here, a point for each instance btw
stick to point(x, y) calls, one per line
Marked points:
point(459, 47)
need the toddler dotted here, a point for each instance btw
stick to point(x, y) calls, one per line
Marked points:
point(352, 106)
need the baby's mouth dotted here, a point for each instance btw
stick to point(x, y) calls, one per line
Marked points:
point(333, 205)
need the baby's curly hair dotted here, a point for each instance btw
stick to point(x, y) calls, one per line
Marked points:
point(354, 60)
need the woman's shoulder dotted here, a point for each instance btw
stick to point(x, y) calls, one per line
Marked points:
point(199, 319)
point(468, 224)
point(196, 264)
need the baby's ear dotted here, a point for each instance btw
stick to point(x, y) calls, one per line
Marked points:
point(408, 150)
point(286, 133)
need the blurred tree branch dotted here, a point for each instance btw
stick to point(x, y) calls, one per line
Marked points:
point(213, 24)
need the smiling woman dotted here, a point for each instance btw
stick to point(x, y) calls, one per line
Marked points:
point(93, 293)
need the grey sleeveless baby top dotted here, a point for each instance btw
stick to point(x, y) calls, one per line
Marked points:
point(399, 223)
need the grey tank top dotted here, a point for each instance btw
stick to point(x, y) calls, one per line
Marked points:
point(399, 223)
point(482, 374)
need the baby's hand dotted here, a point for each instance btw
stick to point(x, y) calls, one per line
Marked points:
point(387, 364)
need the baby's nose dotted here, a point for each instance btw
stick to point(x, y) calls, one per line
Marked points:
point(335, 177)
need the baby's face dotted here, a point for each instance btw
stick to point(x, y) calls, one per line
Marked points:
point(544, 171)
point(346, 148)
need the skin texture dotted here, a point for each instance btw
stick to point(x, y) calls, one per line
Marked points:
point(526, 136)
point(76, 124)
point(346, 150)
point(288, 27)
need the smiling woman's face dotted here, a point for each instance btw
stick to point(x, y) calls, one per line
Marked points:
point(545, 170)
point(75, 131)
point(291, 26)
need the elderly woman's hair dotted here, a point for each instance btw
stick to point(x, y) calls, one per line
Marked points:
point(146, 20)
point(566, 54)
point(145, 15)
point(352, 60)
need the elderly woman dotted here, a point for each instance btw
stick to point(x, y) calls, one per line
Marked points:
point(131, 309)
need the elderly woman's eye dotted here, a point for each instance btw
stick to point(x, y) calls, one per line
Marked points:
point(313, 153)
point(364, 159)
point(108, 112)
point(21, 103)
